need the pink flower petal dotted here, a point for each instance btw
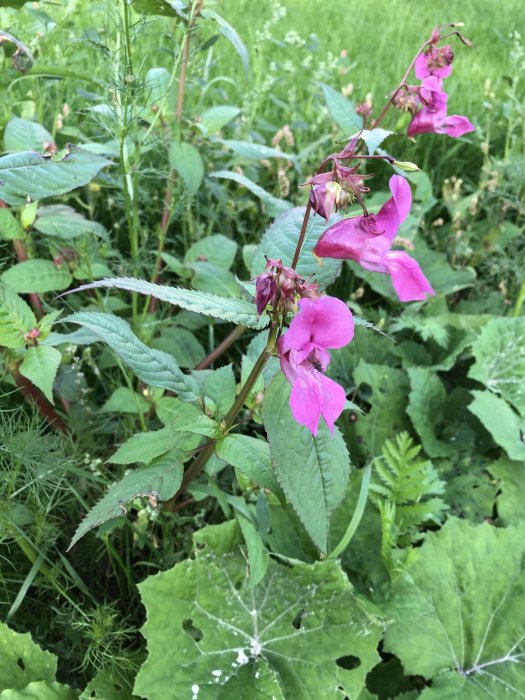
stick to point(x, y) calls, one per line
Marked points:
point(325, 323)
point(457, 125)
point(408, 279)
point(314, 395)
point(395, 210)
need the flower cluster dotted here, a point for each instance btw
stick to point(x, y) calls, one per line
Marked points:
point(337, 188)
point(281, 286)
point(428, 101)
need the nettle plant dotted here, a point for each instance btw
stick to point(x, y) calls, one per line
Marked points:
point(245, 610)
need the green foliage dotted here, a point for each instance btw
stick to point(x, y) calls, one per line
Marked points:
point(312, 471)
point(425, 408)
point(458, 611)
point(16, 318)
point(341, 110)
point(22, 661)
point(37, 276)
point(500, 420)
point(187, 161)
point(228, 635)
point(26, 135)
point(405, 490)
point(40, 365)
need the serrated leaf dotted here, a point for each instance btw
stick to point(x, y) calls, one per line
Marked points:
point(153, 367)
point(40, 366)
point(459, 610)
point(187, 161)
point(499, 419)
point(147, 446)
point(36, 664)
point(425, 408)
point(16, 318)
point(280, 241)
point(274, 205)
point(26, 135)
point(226, 635)
point(251, 457)
point(64, 222)
point(38, 276)
point(341, 110)
point(215, 118)
point(9, 226)
point(313, 472)
point(219, 386)
point(41, 690)
point(31, 175)
point(500, 359)
point(158, 482)
point(185, 417)
point(234, 310)
point(373, 138)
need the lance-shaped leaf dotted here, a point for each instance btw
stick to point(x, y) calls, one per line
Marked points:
point(40, 366)
point(280, 241)
point(38, 276)
point(167, 8)
point(251, 457)
point(64, 222)
point(274, 205)
point(280, 639)
point(341, 109)
point(158, 482)
point(500, 359)
point(16, 318)
point(312, 471)
point(22, 661)
point(234, 310)
point(154, 367)
point(459, 617)
point(29, 175)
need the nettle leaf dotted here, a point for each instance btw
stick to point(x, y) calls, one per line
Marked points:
point(215, 118)
point(40, 366)
point(459, 611)
point(158, 482)
point(280, 639)
point(341, 110)
point(313, 472)
point(187, 161)
point(185, 416)
point(280, 241)
point(26, 135)
point(9, 226)
point(16, 318)
point(41, 690)
point(500, 359)
point(425, 408)
point(251, 457)
point(64, 222)
point(218, 389)
point(234, 310)
point(29, 175)
point(499, 419)
point(38, 276)
point(154, 367)
point(274, 205)
point(22, 661)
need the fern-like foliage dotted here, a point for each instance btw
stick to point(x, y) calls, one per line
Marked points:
point(405, 489)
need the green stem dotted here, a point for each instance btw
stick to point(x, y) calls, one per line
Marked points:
point(519, 301)
point(356, 518)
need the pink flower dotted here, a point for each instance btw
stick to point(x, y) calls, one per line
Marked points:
point(368, 239)
point(336, 188)
point(435, 61)
point(324, 323)
point(432, 117)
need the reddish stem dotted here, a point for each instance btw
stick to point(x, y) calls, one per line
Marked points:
point(33, 395)
point(222, 347)
point(21, 255)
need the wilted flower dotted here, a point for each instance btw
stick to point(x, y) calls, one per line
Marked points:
point(283, 285)
point(336, 188)
point(368, 240)
point(435, 61)
point(321, 324)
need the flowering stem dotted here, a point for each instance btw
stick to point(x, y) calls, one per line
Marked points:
point(301, 236)
point(356, 518)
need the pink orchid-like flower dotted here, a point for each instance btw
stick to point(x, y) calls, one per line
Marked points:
point(320, 324)
point(336, 188)
point(432, 117)
point(435, 61)
point(368, 241)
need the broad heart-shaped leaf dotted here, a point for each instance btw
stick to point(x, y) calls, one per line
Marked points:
point(216, 249)
point(187, 161)
point(26, 135)
point(41, 690)
point(341, 110)
point(313, 472)
point(425, 408)
point(500, 359)
point(31, 175)
point(16, 318)
point(278, 639)
point(499, 419)
point(154, 367)
point(460, 609)
point(22, 661)
point(9, 226)
point(40, 366)
point(234, 310)
point(251, 457)
point(158, 482)
point(38, 276)
point(64, 222)
point(280, 241)
point(273, 205)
